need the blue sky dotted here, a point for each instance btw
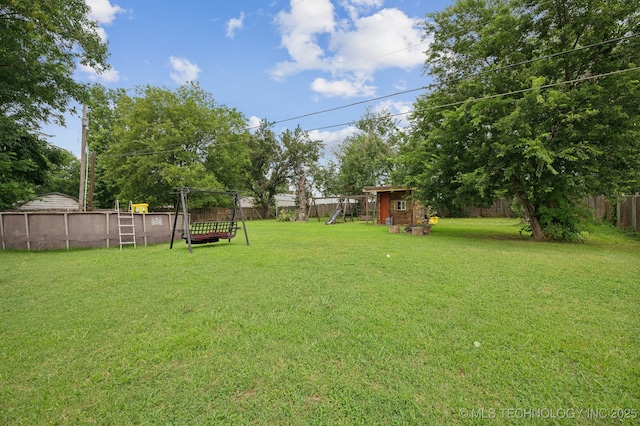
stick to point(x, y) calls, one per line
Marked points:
point(273, 59)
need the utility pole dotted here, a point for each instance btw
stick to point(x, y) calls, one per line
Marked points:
point(83, 161)
point(92, 179)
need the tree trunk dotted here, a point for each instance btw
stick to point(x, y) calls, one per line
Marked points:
point(267, 208)
point(530, 216)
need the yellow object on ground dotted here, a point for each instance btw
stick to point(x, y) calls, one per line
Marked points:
point(433, 220)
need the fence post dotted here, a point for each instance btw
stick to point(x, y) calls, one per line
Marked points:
point(26, 229)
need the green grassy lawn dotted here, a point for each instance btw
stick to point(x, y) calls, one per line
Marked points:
point(316, 324)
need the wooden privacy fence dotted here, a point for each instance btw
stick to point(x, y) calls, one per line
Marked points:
point(501, 208)
point(66, 230)
point(628, 212)
point(322, 210)
point(600, 206)
point(221, 213)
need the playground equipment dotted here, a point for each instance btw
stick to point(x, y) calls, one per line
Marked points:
point(208, 231)
point(358, 206)
point(334, 216)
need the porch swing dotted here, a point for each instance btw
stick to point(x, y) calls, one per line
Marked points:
point(207, 231)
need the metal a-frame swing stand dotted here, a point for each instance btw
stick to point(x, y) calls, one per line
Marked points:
point(216, 227)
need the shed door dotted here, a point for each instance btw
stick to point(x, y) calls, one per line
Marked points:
point(383, 207)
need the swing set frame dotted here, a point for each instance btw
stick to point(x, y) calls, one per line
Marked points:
point(210, 231)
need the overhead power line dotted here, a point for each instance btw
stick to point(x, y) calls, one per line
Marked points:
point(350, 105)
point(427, 87)
point(492, 70)
point(499, 95)
point(488, 71)
point(447, 105)
point(541, 58)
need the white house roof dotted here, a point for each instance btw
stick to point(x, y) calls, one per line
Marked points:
point(281, 200)
point(51, 201)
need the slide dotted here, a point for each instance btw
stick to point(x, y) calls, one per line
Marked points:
point(333, 217)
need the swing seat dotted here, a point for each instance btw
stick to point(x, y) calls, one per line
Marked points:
point(204, 239)
point(212, 232)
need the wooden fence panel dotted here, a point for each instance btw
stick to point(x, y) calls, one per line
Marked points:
point(628, 212)
point(46, 231)
point(322, 210)
point(14, 229)
point(221, 213)
point(600, 205)
point(501, 208)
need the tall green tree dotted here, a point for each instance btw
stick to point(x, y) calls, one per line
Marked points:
point(159, 140)
point(278, 160)
point(25, 161)
point(64, 173)
point(302, 154)
point(267, 173)
point(41, 44)
point(228, 159)
point(325, 179)
point(535, 100)
point(366, 157)
point(105, 109)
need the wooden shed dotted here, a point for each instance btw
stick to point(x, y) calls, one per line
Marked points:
point(396, 205)
point(52, 201)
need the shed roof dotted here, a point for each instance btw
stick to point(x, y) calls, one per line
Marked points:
point(51, 201)
point(389, 188)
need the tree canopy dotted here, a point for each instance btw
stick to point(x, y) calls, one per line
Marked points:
point(41, 45)
point(535, 100)
point(366, 157)
point(302, 154)
point(276, 161)
point(159, 139)
point(25, 161)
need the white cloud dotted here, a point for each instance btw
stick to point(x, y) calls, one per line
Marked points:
point(386, 39)
point(103, 11)
point(299, 30)
point(102, 33)
point(254, 122)
point(351, 50)
point(332, 139)
point(356, 7)
point(308, 17)
point(399, 109)
point(106, 76)
point(342, 88)
point(234, 24)
point(394, 107)
point(183, 70)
